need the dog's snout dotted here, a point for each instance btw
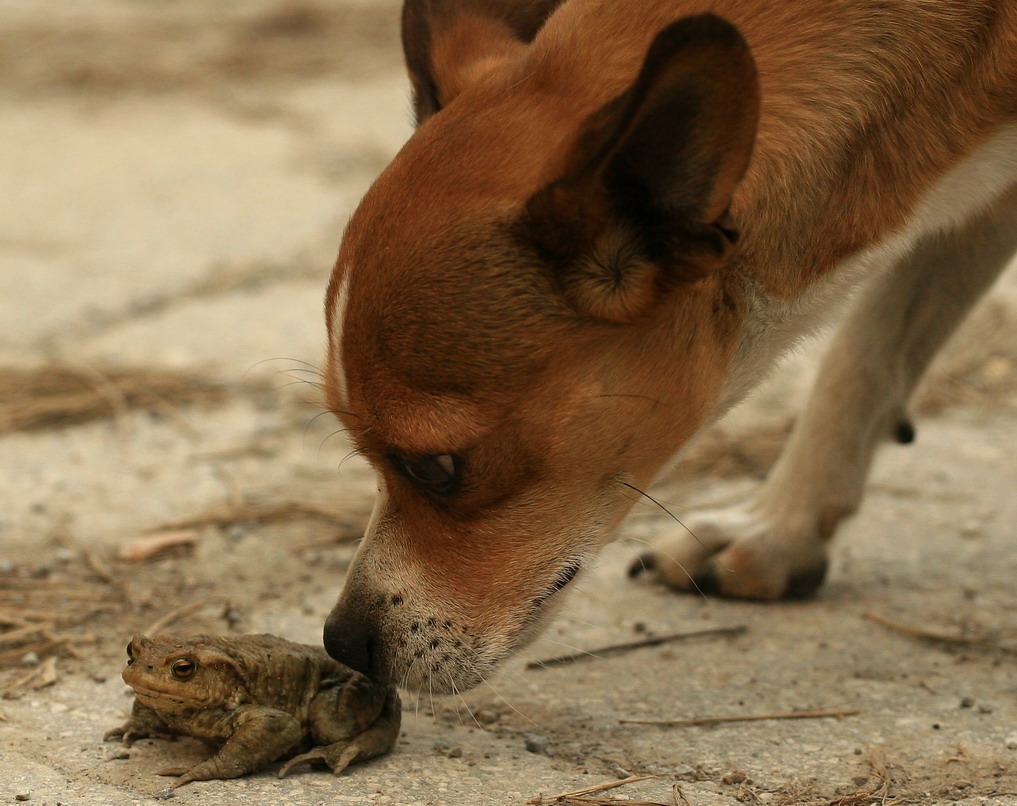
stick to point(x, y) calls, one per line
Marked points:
point(352, 640)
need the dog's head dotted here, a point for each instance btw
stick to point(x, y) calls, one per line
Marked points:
point(528, 316)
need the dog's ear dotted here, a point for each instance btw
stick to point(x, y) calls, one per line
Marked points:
point(641, 201)
point(447, 43)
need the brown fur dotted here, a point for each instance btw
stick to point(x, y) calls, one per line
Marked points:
point(525, 288)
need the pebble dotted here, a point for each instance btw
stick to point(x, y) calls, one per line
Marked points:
point(118, 754)
point(30, 659)
point(23, 796)
point(1011, 741)
point(967, 702)
point(486, 717)
point(972, 528)
point(734, 777)
point(535, 743)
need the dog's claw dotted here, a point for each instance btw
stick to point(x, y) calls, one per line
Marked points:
point(805, 584)
point(905, 432)
point(642, 564)
point(705, 582)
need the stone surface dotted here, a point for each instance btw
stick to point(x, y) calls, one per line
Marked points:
point(176, 179)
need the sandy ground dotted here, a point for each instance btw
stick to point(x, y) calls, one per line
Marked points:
point(175, 175)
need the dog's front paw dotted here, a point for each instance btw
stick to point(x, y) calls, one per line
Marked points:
point(739, 553)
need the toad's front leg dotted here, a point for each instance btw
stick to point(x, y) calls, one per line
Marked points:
point(144, 723)
point(259, 736)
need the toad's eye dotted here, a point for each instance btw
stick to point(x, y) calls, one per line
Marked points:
point(184, 668)
point(130, 653)
point(440, 474)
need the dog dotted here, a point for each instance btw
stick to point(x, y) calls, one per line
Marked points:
point(613, 218)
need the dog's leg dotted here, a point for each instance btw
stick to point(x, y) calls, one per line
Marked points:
point(775, 545)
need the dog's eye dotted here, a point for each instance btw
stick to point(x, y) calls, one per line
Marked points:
point(437, 474)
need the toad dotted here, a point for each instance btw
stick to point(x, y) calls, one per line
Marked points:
point(258, 698)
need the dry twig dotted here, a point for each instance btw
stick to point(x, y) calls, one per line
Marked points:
point(139, 549)
point(717, 720)
point(595, 801)
point(562, 797)
point(58, 395)
point(43, 675)
point(982, 641)
point(101, 570)
point(630, 645)
point(263, 513)
point(51, 641)
point(161, 624)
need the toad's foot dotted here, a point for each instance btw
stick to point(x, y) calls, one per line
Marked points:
point(375, 741)
point(338, 756)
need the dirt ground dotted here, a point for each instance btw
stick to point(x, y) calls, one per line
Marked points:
point(176, 174)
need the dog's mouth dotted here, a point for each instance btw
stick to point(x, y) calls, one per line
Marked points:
point(565, 576)
point(430, 664)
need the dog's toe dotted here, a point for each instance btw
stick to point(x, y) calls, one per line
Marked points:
point(804, 584)
point(642, 564)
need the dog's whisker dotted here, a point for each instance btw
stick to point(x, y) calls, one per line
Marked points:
point(416, 694)
point(671, 557)
point(674, 517)
point(299, 381)
point(257, 364)
point(607, 628)
point(455, 704)
point(430, 695)
point(311, 370)
point(577, 649)
point(499, 695)
point(466, 705)
point(337, 412)
point(350, 455)
point(334, 433)
point(459, 696)
point(313, 420)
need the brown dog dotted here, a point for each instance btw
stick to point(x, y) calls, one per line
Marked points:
point(613, 218)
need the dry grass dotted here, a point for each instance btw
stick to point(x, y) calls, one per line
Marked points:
point(199, 45)
point(268, 512)
point(44, 616)
point(57, 395)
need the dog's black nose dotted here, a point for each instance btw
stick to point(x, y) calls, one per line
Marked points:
point(351, 640)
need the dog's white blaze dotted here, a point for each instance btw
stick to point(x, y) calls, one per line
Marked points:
point(773, 327)
point(338, 327)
